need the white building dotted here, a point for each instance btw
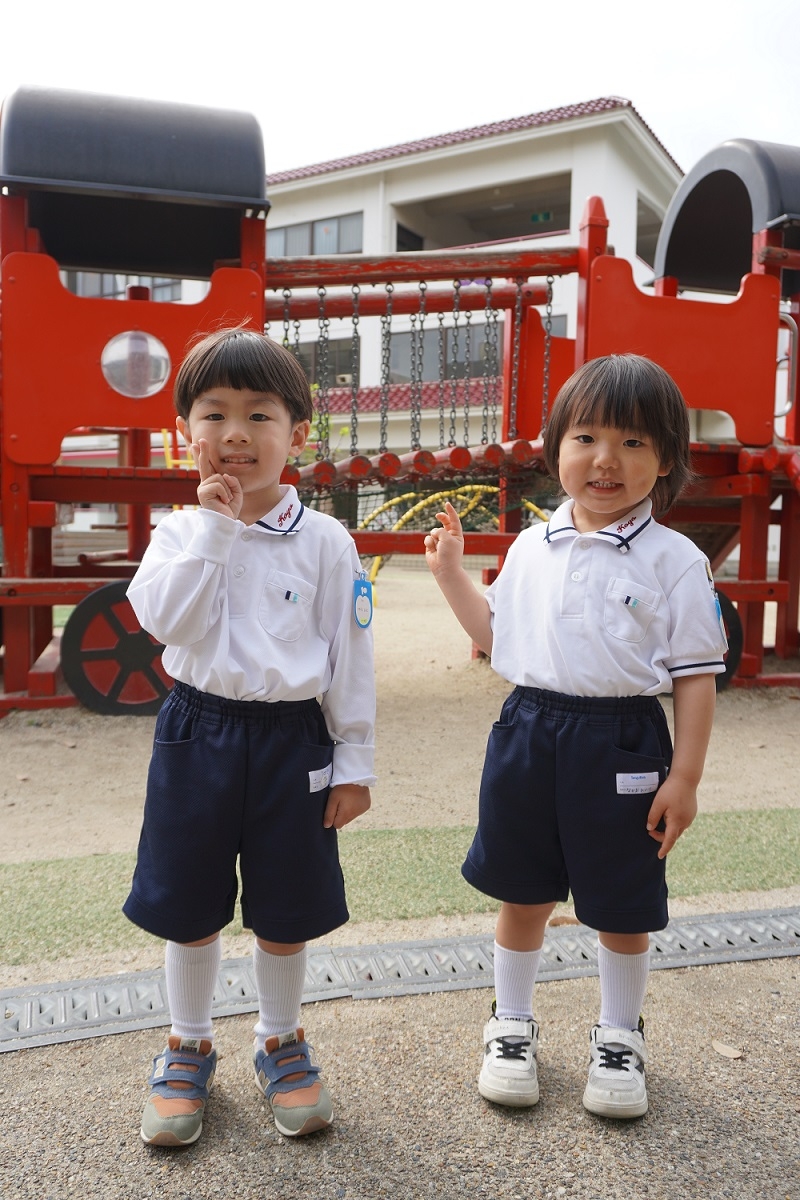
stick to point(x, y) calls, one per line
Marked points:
point(520, 183)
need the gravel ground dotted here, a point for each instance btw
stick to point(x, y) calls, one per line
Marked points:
point(409, 1120)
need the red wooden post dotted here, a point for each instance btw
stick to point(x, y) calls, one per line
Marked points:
point(593, 243)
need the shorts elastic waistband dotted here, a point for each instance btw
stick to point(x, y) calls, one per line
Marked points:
point(257, 712)
point(597, 708)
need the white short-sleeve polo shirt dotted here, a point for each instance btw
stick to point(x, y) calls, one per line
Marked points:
point(618, 612)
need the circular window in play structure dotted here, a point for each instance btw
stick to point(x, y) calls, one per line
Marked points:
point(135, 364)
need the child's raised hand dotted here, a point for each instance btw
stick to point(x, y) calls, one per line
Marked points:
point(216, 491)
point(444, 548)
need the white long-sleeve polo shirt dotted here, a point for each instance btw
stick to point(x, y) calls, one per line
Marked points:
point(619, 612)
point(264, 612)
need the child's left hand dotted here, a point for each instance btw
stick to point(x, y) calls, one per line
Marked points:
point(676, 803)
point(346, 801)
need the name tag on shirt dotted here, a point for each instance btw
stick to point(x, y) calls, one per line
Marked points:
point(317, 780)
point(637, 785)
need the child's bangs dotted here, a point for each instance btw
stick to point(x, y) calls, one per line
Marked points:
point(617, 408)
point(235, 363)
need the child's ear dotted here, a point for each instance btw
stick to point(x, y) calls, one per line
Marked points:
point(183, 430)
point(664, 469)
point(300, 434)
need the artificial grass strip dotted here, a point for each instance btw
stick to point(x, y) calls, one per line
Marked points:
point(65, 908)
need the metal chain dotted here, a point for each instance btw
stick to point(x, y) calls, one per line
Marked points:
point(386, 367)
point(442, 369)
point(355, 365)
point(323, 443)
point(454, 363)
point(548, 332)
point(512, 407)
point(467, 370)
point(296, 347)
point(490, 370)
point(287, 295)
point(417, 356)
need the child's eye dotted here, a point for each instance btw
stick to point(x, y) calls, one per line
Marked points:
point(633, 442)
point(584, 439)
point(258, 416)
point(213, 417)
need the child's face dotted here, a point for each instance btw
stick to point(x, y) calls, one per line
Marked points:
point(249, 435)
point(607, 472)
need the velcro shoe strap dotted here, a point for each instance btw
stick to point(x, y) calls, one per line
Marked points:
point(624, 1037)
point(290, 1059)
point(508, 1027)
point(173, 1066)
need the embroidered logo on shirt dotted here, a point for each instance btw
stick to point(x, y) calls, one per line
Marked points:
point(284, 516)
point(626, 525)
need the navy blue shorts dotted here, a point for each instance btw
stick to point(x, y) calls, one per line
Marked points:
point(567, 784)
point(235, 779)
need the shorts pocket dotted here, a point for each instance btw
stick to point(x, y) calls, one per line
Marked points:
point(285, 605)
point(174, 726)
point(638, 774)
point(629, 609)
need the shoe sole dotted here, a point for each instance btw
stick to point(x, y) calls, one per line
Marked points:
point(508, 1099)
point(169, 1139)
point(622, 1112)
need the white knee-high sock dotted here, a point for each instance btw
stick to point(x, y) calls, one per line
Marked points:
point(279, 983)
point(623, 983)
point(191, 973)
point(515, 974)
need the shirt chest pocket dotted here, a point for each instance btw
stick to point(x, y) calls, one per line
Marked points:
point(629, 609)
point(285, 605)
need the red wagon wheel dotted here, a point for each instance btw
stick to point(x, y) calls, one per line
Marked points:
point(109, 662)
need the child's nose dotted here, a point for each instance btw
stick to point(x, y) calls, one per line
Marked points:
point(237, 432)
point(605, 455)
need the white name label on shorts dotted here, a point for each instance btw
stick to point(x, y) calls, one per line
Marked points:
point(636, 785)
point(317, 780)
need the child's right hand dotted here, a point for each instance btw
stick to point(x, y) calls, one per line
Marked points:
point(216, 491)
point(444, 548)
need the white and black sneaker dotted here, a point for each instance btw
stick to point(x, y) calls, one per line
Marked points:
point(616, 1086)
point(508, 1075)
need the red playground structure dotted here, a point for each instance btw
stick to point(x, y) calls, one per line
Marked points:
point(109, 185)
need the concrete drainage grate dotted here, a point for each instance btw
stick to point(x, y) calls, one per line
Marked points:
point(122, 1003)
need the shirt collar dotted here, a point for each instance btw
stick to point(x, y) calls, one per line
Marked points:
point(288, 516)
point(621, 533)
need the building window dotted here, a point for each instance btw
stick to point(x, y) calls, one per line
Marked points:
point(408, 241)
point(115, 287)
point(454, 350)
point(648, 227)
point(340, 361)
point(331, 235)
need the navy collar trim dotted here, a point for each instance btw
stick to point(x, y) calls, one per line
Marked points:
point(289, 529)
point(623, 544)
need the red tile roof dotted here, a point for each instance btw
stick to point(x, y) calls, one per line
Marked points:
point(551, 116)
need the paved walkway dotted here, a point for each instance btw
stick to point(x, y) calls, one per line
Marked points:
point(409, 1120)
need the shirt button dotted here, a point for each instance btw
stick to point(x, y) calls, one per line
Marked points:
point(584, 545)
point(246, 537)
point(576, 575)
point(238, 571)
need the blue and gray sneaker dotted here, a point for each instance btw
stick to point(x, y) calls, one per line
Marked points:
point(289, 1078)
point(180, 1082)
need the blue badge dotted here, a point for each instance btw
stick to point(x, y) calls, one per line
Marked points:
point(362, 601)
